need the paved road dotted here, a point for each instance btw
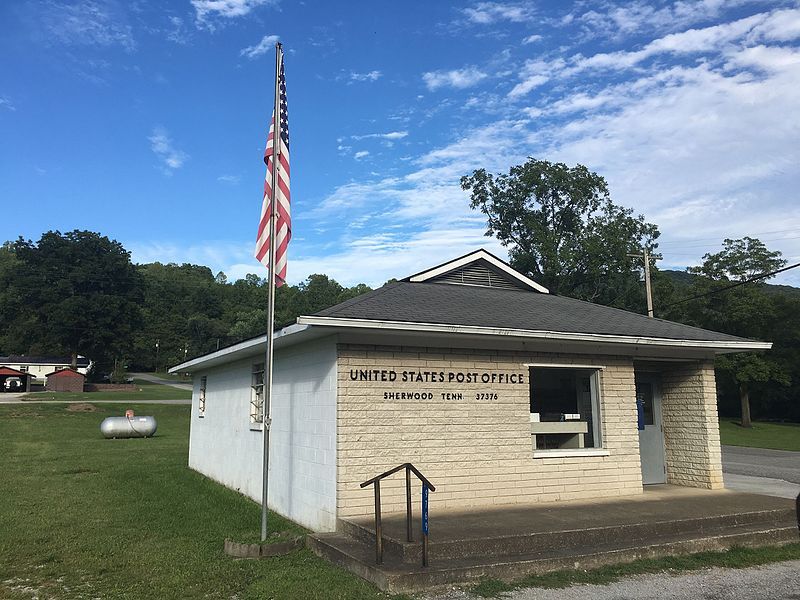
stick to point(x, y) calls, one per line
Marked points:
point(758, 462)
point(154, 379)
point(759, 471)
point(779, 581)
point(6, 400)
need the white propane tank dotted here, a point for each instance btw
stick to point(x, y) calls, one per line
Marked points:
point(128, 427)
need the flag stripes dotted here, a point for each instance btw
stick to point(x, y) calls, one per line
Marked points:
point(283, 219)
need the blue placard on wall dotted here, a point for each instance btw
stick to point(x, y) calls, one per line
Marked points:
point(424, 509)
point(640, 412)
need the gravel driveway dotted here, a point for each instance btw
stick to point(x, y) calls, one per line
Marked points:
point(778, 581)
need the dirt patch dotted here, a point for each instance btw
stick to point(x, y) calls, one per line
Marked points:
point(81, 407)
point(79, 471)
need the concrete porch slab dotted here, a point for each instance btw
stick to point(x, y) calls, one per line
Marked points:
point(513, 541)
point(658, 503)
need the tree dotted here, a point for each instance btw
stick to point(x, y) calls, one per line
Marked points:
point(82, 291)
point(744, 311)
point(562, 228)
point(739, 260)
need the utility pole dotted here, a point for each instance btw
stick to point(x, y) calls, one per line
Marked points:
point(648, 288)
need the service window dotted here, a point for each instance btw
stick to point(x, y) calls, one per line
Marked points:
point(565, 408)
point(257, 395)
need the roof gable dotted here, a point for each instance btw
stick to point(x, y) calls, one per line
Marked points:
point(479, 268)
point(65, 373)
point(12, 372)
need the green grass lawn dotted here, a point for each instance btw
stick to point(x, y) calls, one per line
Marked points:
point(86, 517)
point(777, 436)
point(144, 390)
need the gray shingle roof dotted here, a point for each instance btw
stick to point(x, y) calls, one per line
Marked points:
point(21, 359)
point(508, 309)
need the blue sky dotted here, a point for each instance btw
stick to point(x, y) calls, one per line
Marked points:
point(146, 120)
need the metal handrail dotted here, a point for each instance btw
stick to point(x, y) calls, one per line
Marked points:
point(426, 485)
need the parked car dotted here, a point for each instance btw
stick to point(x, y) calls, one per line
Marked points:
point(13, 384)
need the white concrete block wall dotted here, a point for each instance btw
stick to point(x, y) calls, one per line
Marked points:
point(691, 425)
point(222, 446)
point(477, 452)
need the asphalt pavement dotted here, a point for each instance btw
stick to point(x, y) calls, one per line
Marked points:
point(759, 462)
point(153, 379)
point(760, 471)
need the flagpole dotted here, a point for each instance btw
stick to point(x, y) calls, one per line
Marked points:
point(267, 412)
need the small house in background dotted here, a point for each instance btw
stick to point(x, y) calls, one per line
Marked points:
point(65, 380)
point(14, 380)
point(39, 366)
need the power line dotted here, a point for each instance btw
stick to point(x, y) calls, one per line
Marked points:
point(684, 245)
point(737, 284)
point(714, 239)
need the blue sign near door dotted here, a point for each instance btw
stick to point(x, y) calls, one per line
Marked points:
point(424, 509)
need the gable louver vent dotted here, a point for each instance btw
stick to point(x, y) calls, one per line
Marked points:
point(481, 274)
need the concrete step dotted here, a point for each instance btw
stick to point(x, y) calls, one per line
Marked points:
point(398, 577)
point(399, 550)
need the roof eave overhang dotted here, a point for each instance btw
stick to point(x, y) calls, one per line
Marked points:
point(285, 337)
point(716, 346)
point(312, 327)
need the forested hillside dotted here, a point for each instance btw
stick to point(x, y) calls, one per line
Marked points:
point(79, 293)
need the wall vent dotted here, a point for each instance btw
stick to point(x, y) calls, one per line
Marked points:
point(479, 273)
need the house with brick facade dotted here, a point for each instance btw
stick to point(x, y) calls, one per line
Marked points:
point(498, 391)
point(65, 380)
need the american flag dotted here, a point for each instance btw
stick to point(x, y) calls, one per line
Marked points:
point(283, 220)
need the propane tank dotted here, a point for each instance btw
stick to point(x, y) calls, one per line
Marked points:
point(128, 427)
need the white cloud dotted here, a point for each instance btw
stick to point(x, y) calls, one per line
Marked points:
point(704, 149)
point(234, 258)
point(230, 179)
point(207, 10)
point(171, 158)
point(375, 258)
point(532, 39)
point(781, 26)
point(703, 141)
point(392, 135)
point(457, 78)
point(6, 103)
point(712, 40)
point(361, 154)
point(266, 44)
point(86, 23)
point(645, 16)
point(485, 13)
point(369, 76)
point(178, 33)
point(535, 73)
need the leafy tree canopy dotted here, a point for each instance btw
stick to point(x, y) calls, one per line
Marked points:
point(745, 310)
point(739, 260)
point(82, 291)
point(562, 228)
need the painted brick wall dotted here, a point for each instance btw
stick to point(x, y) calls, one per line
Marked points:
point(303, 446)
point(477, 452)
point(66, 382)
point(691, 426)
